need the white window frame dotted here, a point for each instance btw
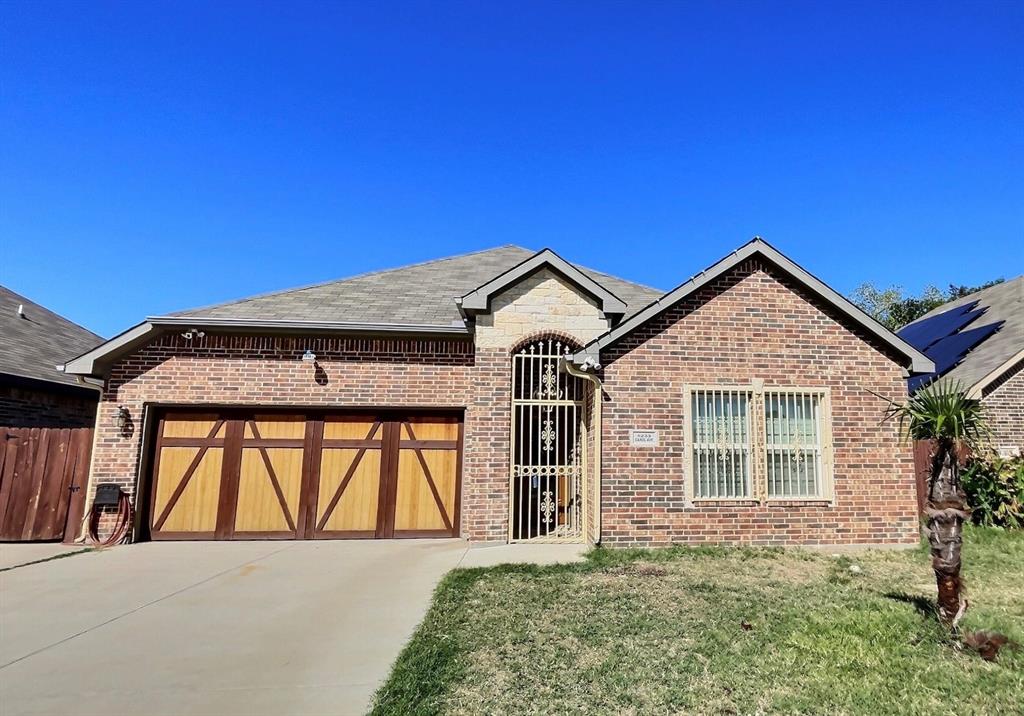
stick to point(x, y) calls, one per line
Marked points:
point(758, 443)
point(752, 459)
point(827, 486)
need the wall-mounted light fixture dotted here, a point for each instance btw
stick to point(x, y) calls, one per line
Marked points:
point(309, 357)
point(187, 335)
point(122, 418)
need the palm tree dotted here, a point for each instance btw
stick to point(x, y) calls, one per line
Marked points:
point(954, 425)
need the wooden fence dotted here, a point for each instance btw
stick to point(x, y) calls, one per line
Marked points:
point(43, 476)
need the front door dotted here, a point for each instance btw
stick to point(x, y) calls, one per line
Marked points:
point(548, 435)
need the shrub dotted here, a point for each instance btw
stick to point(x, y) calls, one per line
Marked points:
point(995, 490)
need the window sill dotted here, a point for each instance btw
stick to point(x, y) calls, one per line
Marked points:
point(771, 502)
point(730, 502)
point(799, 502)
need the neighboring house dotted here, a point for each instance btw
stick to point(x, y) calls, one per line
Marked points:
point(33, 392)
point(46, 421)
point(508, 395)
point(978, 340)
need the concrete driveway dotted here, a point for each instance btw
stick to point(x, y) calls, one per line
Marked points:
point(214, 628)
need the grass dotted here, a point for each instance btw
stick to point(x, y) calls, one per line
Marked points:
point(715, 631)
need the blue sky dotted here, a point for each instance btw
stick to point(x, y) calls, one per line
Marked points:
point(155, 157)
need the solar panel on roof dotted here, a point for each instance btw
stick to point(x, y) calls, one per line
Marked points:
point(930, 331)
point(949, 351)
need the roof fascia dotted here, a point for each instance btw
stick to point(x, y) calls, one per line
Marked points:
point(918, 362)
point(978, 388)
point(456, 328)
point(91, 362)
point(479, 300)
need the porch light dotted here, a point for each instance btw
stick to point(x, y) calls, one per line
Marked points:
point(309, 357)
point(122, 417)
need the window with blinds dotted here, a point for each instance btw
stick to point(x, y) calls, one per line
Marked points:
point(793, 444)
point(720, 443)
point(745, 443)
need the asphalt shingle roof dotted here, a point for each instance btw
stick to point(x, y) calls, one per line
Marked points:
point(420, 294)
point(33, 345)
point(1002, 303)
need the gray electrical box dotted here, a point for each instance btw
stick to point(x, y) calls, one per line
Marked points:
point(107, 495)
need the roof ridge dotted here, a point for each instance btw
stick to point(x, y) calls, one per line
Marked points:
point(25, 299)
point(353, 277)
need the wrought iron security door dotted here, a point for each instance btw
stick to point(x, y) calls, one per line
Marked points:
point(547, 446)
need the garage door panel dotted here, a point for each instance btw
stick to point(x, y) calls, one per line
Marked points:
point(268, 499)
point(194, 426)
point(355, 428)
point(356, 507)
point(430, 429)
point(284, 427)
point(425, 498)
point(187, 501)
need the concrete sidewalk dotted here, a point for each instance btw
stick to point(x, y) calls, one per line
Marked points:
point(220, 627)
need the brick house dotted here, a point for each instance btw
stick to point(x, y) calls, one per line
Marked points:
point(513, 396)
point(33, 342)
point(978, 341)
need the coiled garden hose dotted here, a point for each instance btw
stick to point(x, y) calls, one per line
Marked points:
point(121, 527)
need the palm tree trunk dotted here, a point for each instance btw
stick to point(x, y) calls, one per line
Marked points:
point(946, 512)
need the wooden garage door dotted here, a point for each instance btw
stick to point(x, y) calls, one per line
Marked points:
point(295, 475)
point(427, 472)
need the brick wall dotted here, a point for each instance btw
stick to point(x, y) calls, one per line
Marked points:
point(751, 324)
point(29, 407)
point(1004, 401)
point(268, 371)
point(357, 372)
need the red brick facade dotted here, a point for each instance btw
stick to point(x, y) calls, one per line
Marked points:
point(268, 371)
point(747, 325)
point(750, 324)
point(1004, 401)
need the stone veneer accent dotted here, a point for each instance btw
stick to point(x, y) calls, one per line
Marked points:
point(1004, 401)
point(543, 302)
point(752, 324)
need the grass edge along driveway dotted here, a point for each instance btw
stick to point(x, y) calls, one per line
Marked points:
point(714, 630)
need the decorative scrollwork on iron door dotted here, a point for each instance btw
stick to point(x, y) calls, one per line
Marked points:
point(547, 472)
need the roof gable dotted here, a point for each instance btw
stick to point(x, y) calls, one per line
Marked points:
point(915, 361)
point(479, 299)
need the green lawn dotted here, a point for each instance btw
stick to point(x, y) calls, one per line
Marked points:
point(717, 631)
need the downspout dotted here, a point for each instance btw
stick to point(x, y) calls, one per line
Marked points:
point(598, 400)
